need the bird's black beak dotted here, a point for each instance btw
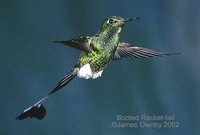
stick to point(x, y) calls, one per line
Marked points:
point(131, 19)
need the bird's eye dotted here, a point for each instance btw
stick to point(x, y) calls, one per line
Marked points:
point(110, 21)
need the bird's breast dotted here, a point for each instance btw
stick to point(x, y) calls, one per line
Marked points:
point(97, 60)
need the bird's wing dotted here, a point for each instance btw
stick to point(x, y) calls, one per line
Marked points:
point(82, 43)
point(38, 110)
point(126, 50)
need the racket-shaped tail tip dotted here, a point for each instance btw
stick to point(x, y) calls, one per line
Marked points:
point(36, 111)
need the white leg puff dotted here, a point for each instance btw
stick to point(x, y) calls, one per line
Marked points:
point(86, 72)
point(96, 75)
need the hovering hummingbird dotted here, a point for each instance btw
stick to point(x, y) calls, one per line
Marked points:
point(96, 53)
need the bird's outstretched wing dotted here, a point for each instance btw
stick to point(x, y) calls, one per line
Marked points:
point(38, 110)
point(125, 50)
point(82, 43)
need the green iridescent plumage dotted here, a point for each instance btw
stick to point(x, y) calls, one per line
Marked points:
point(96, 53)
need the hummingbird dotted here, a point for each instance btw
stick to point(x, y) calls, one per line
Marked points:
point(97, 52)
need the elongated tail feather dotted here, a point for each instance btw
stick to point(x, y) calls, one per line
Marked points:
point(67, 78)
point(38, 110)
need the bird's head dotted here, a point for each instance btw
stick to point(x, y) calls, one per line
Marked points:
point(115, 23)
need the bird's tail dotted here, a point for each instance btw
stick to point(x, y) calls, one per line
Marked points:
point(38, 110)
